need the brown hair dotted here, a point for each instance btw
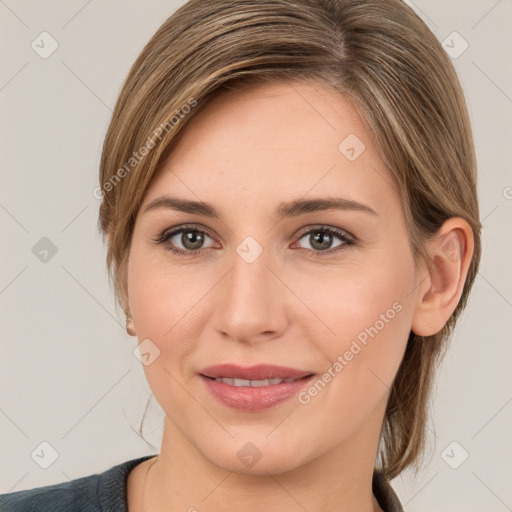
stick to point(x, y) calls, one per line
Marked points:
point(377, 52)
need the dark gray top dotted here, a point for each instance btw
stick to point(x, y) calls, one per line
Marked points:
point(106, 492)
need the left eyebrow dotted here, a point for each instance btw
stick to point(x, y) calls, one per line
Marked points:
point(289, 209)
point(301, 206)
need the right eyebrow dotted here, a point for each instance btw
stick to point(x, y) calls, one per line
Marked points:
point(183, 205)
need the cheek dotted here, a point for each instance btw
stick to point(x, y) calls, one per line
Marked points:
point(366, 314)
point(165, 299)
point(153, 288)
point(370, 312)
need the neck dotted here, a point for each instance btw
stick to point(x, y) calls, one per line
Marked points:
point(181, 478)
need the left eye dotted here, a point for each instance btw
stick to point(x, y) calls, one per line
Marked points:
point(320, 240)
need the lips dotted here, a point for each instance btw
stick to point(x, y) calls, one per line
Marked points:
point(259, 372)
point(253, 388)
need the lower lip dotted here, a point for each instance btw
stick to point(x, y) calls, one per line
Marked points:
point(248, 398)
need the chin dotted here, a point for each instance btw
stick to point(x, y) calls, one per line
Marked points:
point(255, 455)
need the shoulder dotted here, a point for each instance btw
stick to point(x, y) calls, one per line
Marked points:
point(93, 493)
point(66, 496)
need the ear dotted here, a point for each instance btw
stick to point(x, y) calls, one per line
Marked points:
point(443, 277)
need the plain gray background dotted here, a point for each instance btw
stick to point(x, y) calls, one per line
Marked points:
point(68, 372)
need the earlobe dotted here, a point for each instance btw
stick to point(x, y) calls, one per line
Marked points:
point(440, 291)
point(130, 326)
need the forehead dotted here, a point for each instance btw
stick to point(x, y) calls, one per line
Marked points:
point(269, 142)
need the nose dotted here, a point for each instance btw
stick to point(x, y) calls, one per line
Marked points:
point(252, 302)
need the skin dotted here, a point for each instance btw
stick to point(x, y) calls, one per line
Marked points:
point(246, 152)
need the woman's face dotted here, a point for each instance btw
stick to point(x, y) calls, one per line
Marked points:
point(253, 286)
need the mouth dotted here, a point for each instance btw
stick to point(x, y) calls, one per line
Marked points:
point(237, 382)
point(256, 375)
point(254, 388)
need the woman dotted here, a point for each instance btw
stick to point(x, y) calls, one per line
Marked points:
point(289, 203)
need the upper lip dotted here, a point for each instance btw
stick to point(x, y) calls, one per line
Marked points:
point(258, 372)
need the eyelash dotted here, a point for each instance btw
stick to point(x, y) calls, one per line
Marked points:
point(348, 240)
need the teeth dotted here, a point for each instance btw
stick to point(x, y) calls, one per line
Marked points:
point(251, 383)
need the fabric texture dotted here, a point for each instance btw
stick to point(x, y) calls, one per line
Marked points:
point(106, 492)
point(103, 492)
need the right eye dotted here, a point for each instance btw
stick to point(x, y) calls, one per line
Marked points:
point(191, 239)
